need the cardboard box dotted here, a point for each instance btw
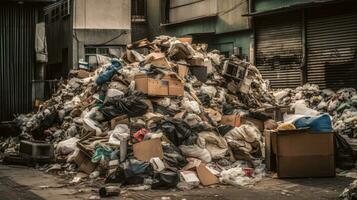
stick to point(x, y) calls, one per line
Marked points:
point(300, 153)
point(146, 150)
point(122, 119)
point(237, 120)
point(150, 86)
point(167, 86)
point(84, 162)
point(176, 88)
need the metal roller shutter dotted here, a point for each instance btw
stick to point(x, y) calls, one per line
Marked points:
point(332, 51)
point(279, 49)
point(17, 59)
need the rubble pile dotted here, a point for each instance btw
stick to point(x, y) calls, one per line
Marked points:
point(156, 118)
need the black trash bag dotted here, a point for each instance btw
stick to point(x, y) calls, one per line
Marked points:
point(173, 156)
point(165, 180)
point(228, 109)
point(205, 99)
point(130, 105)
point(222, 130)
point(178, 132)
point(164, 111)
point(131, 172)
point(344, 154)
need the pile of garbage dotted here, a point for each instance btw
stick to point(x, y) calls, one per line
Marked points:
point(341, 105)
point(165, 115)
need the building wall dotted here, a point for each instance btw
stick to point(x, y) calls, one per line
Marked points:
point(223, 29)
point(103, 14)
point(183, 10)
point(100, 23)
point(230, 16)
point(265, 5)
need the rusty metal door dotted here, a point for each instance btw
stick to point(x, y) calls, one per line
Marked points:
point(279, 49)
point(332, 50)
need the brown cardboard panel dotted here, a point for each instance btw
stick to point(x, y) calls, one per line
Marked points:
point(306, 166)
point(148, 149)
point(269, 155)
point(182, 71)
point(205, 176)
point(232, 120)
point(158, 87)
point(185, 39)
point(305, 144)
point(176, 88)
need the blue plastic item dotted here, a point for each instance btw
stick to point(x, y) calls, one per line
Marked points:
point(108, 73)
point(321, 123)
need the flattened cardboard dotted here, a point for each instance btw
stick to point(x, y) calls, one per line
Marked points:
point(205, 175)
point(300, 153)
point(146, 150)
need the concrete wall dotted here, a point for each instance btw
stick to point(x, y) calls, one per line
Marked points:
point(226, 42)
point(103, 14)
point(191, 9)
point(100, 23)
point(265, 5)
point(230, 16)
point(228, 29)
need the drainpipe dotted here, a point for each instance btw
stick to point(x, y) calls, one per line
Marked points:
point(252, 36)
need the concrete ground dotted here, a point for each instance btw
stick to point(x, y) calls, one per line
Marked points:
point(19, 182)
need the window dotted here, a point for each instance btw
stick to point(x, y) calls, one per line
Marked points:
point(92, 52)
point(65, 8)
point(55, 14)
point(138, 10)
